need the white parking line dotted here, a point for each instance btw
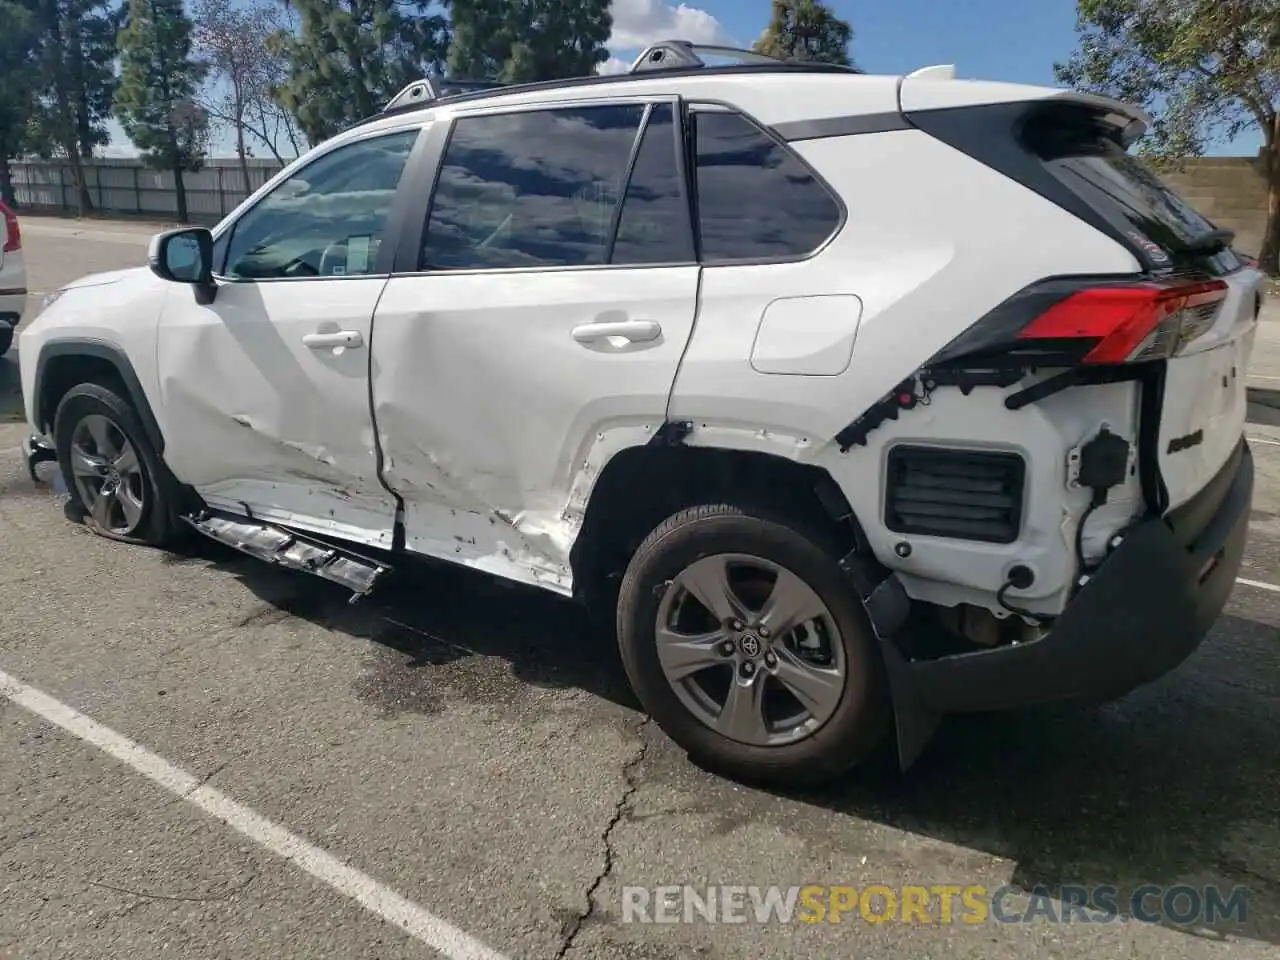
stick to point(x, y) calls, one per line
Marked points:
point(1259, 585)
point(1269, 443)
point(420, 924)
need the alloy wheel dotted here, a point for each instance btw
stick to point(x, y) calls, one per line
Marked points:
point(750, 649)
point(108, 475)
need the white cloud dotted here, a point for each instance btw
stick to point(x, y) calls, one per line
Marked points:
point(638, 23)
point(614, 65)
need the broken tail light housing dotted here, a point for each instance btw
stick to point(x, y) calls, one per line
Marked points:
point(1071, 322)
point(13, 232)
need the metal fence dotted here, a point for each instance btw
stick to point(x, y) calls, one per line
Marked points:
point(126, 187)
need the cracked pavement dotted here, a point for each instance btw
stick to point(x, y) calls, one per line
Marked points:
point(474, 747)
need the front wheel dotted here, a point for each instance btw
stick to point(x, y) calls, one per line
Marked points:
point(744, 640)
point(114, 476)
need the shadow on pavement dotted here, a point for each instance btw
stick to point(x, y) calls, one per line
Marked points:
point(1264, 406)
point(1176, 784)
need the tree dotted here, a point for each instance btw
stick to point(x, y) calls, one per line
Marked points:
point(349, 57)
point(231, 40)
point(521, 41)
point(73, 82)
point(158, 81)
point(806, 30)
point(17, 68)
point(1204, 69)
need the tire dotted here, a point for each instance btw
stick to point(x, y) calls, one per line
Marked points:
point(852, 730)
point(6, 338)
point(152, 517)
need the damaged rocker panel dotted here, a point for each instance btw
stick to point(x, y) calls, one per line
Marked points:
point(289, 549)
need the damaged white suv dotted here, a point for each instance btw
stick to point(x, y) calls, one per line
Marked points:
point(861, 399)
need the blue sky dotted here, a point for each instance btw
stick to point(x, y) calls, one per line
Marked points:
point(1012, 40)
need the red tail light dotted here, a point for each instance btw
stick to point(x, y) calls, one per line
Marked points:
point(14, 232)
point(1069, 321)
point(1131, 322)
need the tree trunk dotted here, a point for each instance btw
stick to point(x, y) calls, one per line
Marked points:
point(180, 188)
point(1269, 255)
point(78, 180)
point(243, 154)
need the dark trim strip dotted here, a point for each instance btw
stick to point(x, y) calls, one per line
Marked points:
point(99, 350)
point(604, 79)
point(616, 218)
point(848, 126)
point(13, 292)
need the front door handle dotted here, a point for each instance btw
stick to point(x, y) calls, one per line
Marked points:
point(338, 338)
point(637, 331)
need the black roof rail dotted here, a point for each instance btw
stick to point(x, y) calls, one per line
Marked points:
point(684, 54)
point(672, 57)
point(429, 89)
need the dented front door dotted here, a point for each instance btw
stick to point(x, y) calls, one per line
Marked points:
point(266, 389)
point(258, 417)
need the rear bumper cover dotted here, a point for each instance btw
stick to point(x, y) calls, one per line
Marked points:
point(1143, 612)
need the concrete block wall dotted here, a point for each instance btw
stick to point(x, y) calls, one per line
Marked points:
point(1230, 191)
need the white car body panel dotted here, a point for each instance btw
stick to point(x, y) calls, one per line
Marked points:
point(119, 310)
point(259, 422)
point(487, 406)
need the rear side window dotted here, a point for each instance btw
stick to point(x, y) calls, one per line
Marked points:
point(531, 189)
point(755, 199)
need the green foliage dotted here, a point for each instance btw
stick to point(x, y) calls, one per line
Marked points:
point(522, 41)
point(1204, 69)
point(74, 75)
point(155, 102)
point(349, 57)
point(806, 30)
point(17, 79)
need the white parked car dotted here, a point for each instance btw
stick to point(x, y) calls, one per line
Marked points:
point(861, 399)
point(13, 276)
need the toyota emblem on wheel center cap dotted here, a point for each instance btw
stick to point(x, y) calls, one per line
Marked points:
point(750, 645)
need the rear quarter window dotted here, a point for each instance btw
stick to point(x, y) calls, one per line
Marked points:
point(756, 200)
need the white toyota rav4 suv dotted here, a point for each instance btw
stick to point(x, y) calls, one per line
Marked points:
point(860, 399)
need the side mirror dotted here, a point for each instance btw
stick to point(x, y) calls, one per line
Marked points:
point(185, 256)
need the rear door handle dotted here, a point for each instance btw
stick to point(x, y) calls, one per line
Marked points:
point(339, 338)
point(637, 331)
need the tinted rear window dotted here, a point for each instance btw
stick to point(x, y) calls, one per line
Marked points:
point(1085, 158)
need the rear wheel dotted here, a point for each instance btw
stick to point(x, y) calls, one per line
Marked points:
point(114, 476)
point(744, 641)
point(6, 338)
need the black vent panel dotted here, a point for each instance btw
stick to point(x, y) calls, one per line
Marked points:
point(963, 494)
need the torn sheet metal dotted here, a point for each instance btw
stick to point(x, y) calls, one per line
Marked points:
point(288, 549)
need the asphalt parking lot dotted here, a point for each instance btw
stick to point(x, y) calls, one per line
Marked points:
point(453, 762)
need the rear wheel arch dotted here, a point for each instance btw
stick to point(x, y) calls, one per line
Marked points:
point(63, 364)
point(640, 487)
